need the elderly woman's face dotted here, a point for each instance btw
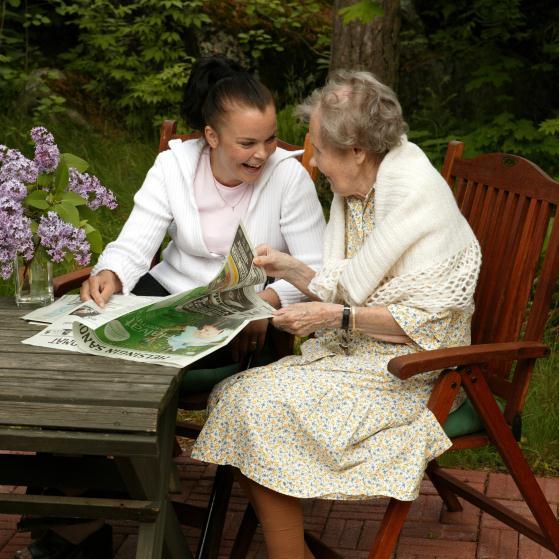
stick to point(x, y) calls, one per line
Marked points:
point(339, 167)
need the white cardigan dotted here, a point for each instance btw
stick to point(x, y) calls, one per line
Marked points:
point(421, 252)
point(284, 212)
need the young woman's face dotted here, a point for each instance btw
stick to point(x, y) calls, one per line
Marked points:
point(246, 137)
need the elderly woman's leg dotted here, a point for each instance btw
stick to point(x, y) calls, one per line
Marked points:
point(281, 518)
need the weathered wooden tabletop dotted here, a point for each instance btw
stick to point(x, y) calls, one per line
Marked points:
point(123, 412)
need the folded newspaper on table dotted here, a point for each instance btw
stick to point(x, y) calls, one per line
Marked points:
point(175, 330)
point(70, 306)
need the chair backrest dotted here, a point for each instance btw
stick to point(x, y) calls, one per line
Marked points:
point(510, 204)
point(169, 132)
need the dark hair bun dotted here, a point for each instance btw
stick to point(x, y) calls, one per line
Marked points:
point(214, 83)
point(206, 72)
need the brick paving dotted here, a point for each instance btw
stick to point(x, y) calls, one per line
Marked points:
point(431, 532)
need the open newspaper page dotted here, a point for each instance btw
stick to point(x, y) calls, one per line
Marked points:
point(179, 329)
point(61, 315)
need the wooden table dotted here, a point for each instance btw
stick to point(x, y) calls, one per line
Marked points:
point(97, 423)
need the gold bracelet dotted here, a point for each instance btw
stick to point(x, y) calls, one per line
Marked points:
point(353, 313)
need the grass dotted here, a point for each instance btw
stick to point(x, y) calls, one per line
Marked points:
point(121, 162)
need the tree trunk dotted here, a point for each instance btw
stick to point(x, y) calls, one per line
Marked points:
point(372, 46)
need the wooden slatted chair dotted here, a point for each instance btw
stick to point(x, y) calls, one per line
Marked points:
point(210, 519)
point(510, 204)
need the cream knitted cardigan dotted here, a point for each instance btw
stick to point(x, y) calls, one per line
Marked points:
point(421, 252)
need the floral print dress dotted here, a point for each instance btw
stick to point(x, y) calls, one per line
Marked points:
point(333, 422)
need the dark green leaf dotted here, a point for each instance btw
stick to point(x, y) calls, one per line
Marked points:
point(95, 240)
point(44, 180)
point(73, 198)
point(68, 213)
point(37, 199)
point(61, 179)
point(71, 160)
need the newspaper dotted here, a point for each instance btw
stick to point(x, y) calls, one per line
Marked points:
point(62, 314)
point(175, 330)
point(71, 305)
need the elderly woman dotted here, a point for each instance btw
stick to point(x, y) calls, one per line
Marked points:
point(399, 273)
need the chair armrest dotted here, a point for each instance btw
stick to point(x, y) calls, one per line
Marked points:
point(407, 366)
point(66, 282)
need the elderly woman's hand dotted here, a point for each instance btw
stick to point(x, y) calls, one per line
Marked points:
point(302, 319)
point(281, 265)
point(276, 264)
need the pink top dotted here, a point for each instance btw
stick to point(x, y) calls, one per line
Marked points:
point(220, 207)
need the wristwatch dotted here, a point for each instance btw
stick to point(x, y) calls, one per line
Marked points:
point(345, 317)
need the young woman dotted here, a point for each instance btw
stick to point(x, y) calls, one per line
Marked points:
point(199, 190)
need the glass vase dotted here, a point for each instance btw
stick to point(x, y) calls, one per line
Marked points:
point(33, 280)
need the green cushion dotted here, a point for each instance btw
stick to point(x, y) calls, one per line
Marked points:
point(465, 420)
point(202, 380)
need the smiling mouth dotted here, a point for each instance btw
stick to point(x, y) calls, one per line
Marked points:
point(253, 167)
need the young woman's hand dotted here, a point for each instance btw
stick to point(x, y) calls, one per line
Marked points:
point(250, 339)
point(100, 287)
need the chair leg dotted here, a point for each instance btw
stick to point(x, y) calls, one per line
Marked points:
point(390, 529)
point(449, 498)
point(245, 534)
point(478, 390)
point(212, 528)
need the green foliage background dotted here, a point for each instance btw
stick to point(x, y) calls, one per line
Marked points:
point(484, 70)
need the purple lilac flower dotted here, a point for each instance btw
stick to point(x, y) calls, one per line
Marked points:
point(47, 154)
point(15, 234)
point(91, 189)
point(13, 189)
point(58, 237)
point(16, 166)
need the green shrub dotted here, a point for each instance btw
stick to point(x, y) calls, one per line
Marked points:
point(135, 55)
point(484, 72)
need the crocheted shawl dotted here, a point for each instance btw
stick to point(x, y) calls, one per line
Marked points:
point(421, 252)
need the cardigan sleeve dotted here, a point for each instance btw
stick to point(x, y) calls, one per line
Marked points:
point(130, 255)
point(326, 283)
point(302, 227)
